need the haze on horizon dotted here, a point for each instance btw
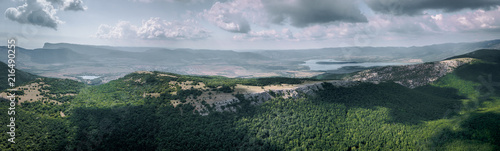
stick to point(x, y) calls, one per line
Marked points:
point(249, 24)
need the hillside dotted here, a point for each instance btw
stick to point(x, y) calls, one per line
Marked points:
point(491, 55)
point(411, 76)
point(458, 110)
point(21, 77)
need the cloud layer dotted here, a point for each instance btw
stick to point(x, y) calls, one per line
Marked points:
point(73, 5)
point(154, 28)
point(387, 27)
point(302, 13)
point(285, 34)
point(42, 12)
point(417, 7)
point(237, 15)
point(232, 16)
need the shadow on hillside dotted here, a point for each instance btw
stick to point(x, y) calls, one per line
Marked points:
point(158, 126)
point(32, 131)
point(485, 74)
point(406, 106)
point(120, 128)
point(480, 131)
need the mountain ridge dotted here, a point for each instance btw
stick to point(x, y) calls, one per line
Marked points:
point(109, 63)
point(162, 111)
point(410, 76)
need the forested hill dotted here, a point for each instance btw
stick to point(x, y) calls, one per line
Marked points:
point(491, 55)
point(21, 77)
point(163, 111)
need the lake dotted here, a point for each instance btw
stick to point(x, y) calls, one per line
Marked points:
point(330, 64)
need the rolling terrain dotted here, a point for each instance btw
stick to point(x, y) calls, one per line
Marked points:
point(453, 105)
point(63, 60)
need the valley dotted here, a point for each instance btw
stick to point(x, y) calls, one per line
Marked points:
point(64, 60)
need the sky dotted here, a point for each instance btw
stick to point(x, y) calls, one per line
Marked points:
point(249, 24)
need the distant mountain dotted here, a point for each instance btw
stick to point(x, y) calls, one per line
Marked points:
point(82, 49)
point(64, 60)
point(46, 56)
point(79, 46)
point(377, 54)
point(425, 53)
point(157, 55)
point(61, 55)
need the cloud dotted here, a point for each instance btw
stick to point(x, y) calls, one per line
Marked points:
point(71, 5)
point(417, 7)
point(381, 26)
point(231, 16)
point(122, 30)
point(443, 23)
point(154, 28)
point(320, 32)
point(42, 12)
point(285, 34)
point(179, 1)
point(236, 15)
point(34, 12)
point(302, 13)
point(387, 27)
point(478, 20)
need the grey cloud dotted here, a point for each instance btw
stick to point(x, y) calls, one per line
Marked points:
point(302, 13)
point(35, 13)
point(42, 12)
point(227, 18)
point(73, 5)
point(178, 1)
point(235, 23)
point(285, 34)
point(416, 7)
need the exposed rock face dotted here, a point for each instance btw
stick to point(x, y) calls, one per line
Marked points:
point(411, 76)
point(261, 97)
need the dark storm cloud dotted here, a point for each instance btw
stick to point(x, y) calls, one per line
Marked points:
point(302, 13)
point(416, 7)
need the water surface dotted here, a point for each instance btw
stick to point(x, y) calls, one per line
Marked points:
point(330, 64)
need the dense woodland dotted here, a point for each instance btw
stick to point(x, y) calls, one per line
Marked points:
point(460, 111)
point(21, 77)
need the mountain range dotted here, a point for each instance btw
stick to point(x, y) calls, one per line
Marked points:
point(64, 60)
